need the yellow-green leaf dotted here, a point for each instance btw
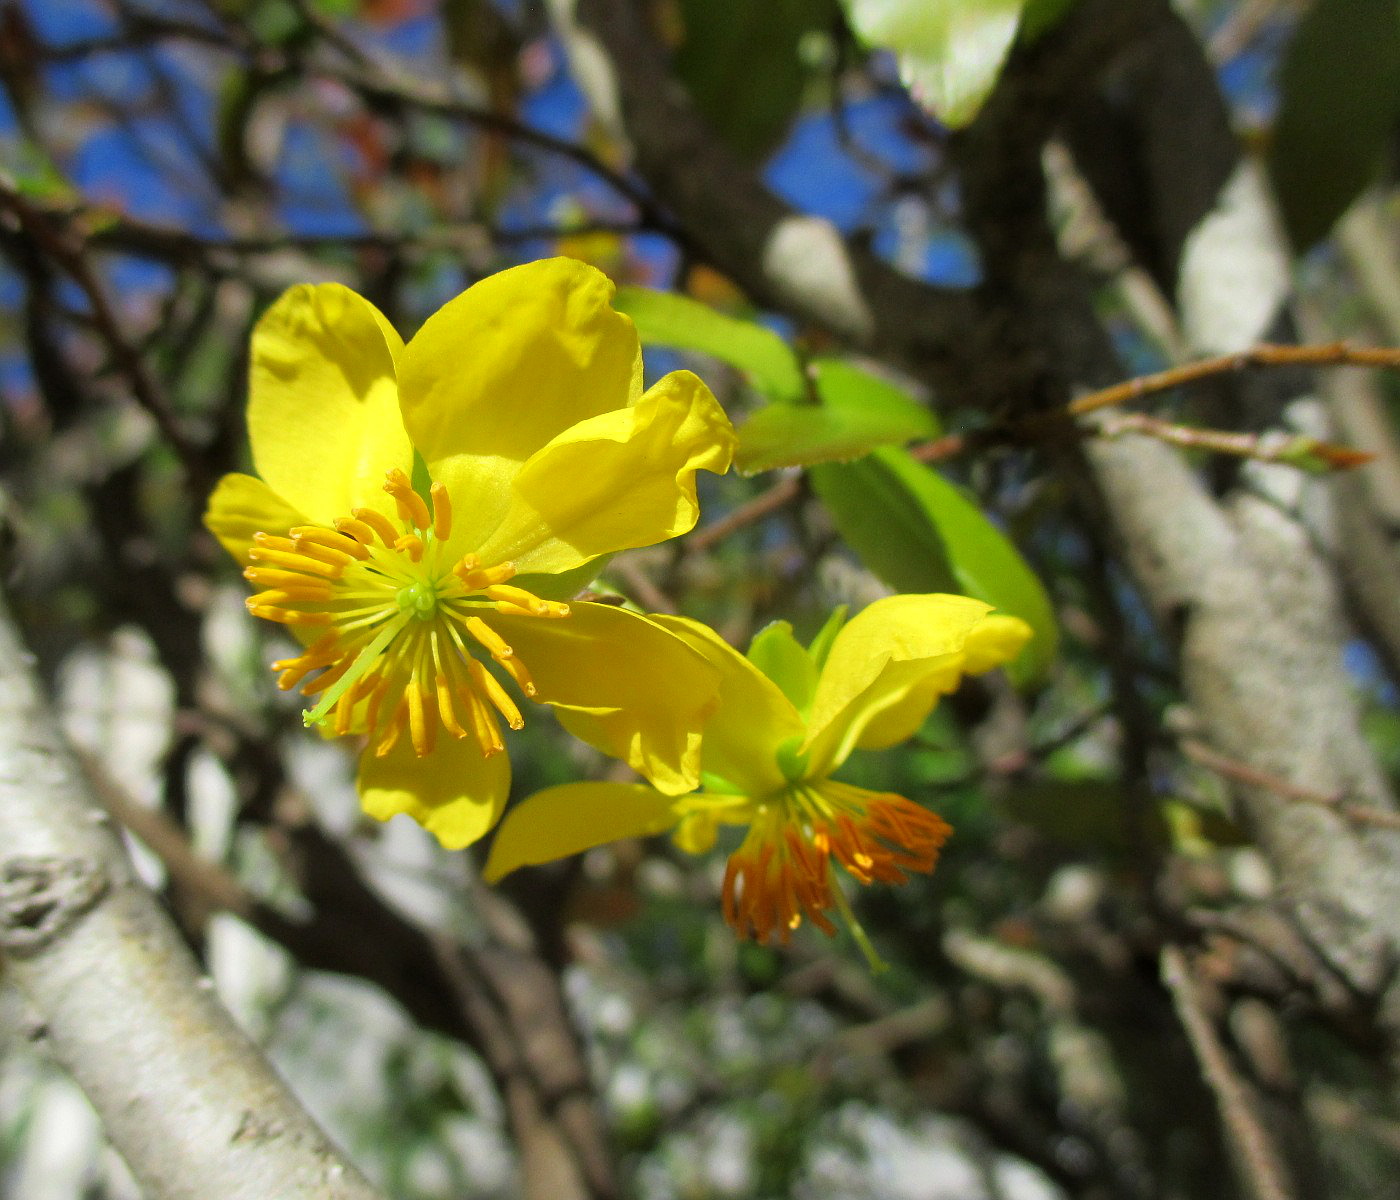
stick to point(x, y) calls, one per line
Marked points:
point(856, 411)
point(950, 52)
point(920, 533)
point(666, 319)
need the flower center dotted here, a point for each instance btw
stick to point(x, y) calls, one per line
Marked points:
point(404, 626)
point(782, 873)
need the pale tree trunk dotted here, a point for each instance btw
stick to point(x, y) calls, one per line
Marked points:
point(188, 1101)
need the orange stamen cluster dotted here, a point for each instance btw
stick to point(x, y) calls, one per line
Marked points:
point(404, 626)
point(782, 871)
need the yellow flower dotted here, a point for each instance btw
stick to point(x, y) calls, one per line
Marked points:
point(423, 512)
point(788, 717)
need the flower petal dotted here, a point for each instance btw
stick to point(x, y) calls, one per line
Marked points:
point(619, 480)
point(621, 683)
point(454, 792)
point(994, 640)
point(504, 369)
point(753, 719)
point(895, 655)
point(323, 408)
point(574, 817)
point(242, 505)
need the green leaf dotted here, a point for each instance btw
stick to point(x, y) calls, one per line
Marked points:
point(1040, 16)
point(785, 661)
point(919, 533)
point(950, 52)
point(1340, 83)
point(857, 411)
point(666, 319)
point(742, 62)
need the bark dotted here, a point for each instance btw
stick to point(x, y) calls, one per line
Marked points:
point(186, 1098)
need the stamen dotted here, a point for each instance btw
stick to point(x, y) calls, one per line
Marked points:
point(494, 643)
point(402, 645)
point(421, 731)
point(287, 616)
point(392, 729)
point(442, 512)
point(311, 593)
point(377, 521)
point(330, 539)
point(332, 555)
point(447, 714)
point(296, 562)
point(354, 529)
point(525, 602)
point(496, 694)
point(412, 510)
point(782, 874)
point(476, 578)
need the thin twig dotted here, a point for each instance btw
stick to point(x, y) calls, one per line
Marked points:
point(1241, 772)
point(1303, 452)
point(781, 493)
point(1331, 354)
point(1273, 446)
point(1257, 1156)
point(71, 259)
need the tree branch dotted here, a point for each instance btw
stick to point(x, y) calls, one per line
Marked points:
point(185, 1097)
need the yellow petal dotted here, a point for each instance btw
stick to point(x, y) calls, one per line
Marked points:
point(893, 657)
point(753, 719)
point(241, 506)
point(621, 683)
point(619, 480)
point(995, 640)
point(504, 369)
point(323, 409)
point(574, 817)
point(454, 793)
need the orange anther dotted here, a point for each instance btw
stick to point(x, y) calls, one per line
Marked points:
point(412, 510)
point(295, 561)
point(520, 601)
point(442, 512)
point(377, 521)
point(356, 530)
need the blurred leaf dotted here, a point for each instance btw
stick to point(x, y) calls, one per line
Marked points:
point(857, 412)
point(1082, 814)
point(741, 61)
point(950, 52)
point(1340, 82)
point(919, 533)
point(1040, 16)
point(666, 319)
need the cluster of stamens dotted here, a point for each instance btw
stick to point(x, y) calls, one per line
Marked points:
point(403, 623)
point(782, 872)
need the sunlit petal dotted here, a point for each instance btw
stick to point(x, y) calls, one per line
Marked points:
point(505, 368)
point(574, 817)
point(619, 480)
point(897, 646)
point(753, 719)
point(323, 409)
point(455, 793)
point(623, 684)
point(241, 506)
